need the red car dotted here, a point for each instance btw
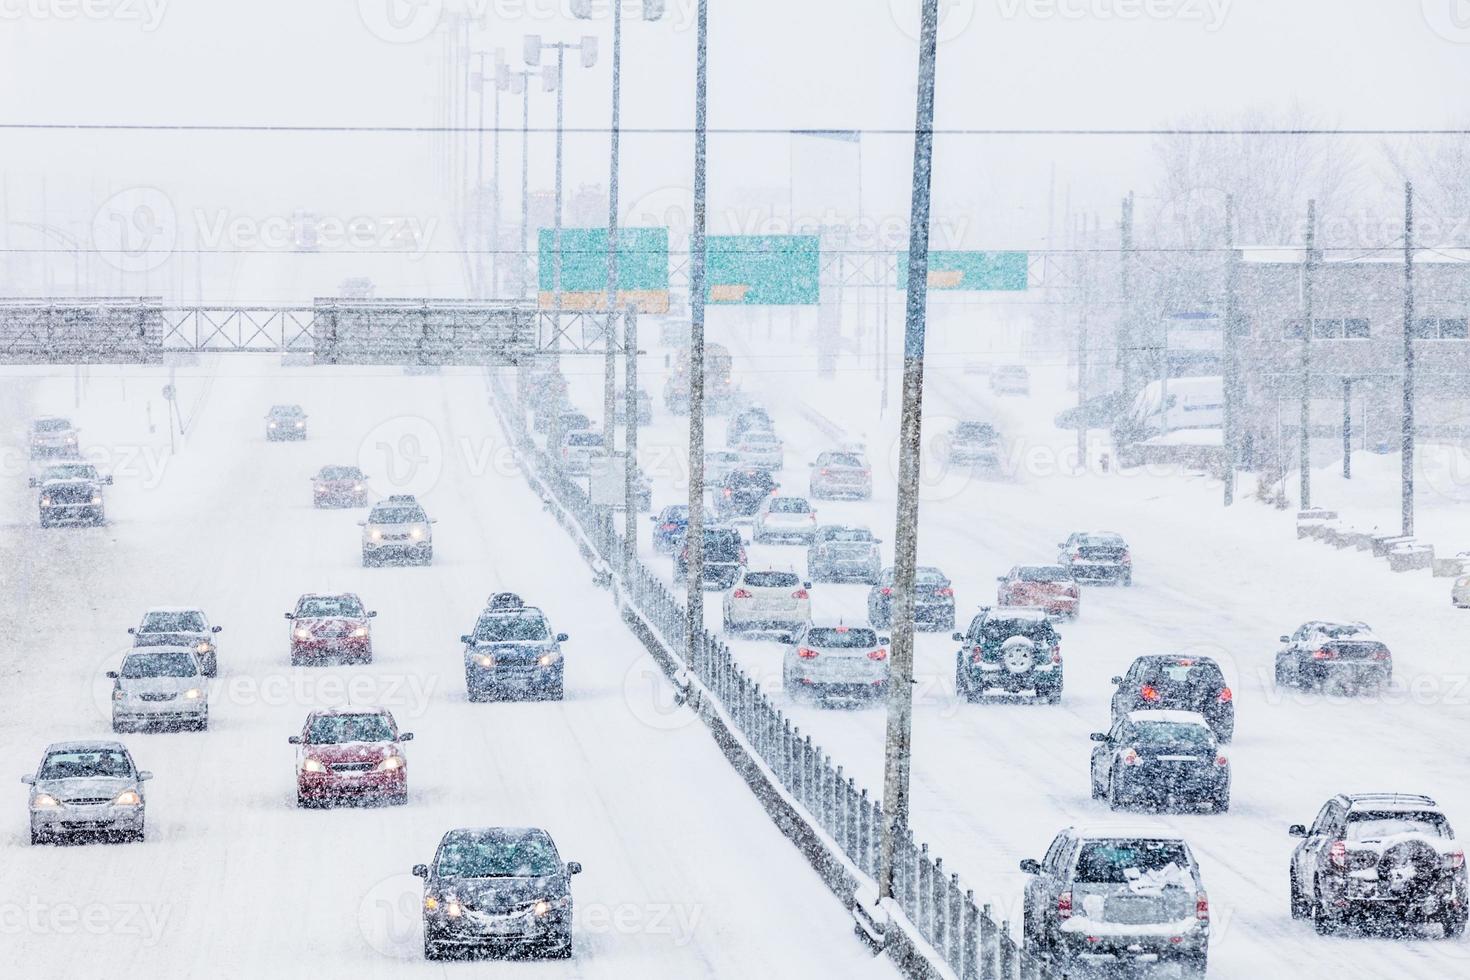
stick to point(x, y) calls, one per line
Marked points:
point(339, 486)
point(330, 627)
point(1048, 587)
point(350, 753)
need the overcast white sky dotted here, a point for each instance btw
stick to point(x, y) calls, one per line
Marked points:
point(773, 64)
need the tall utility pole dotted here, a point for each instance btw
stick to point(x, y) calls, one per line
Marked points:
point(502, 83)
point(630, 436)
point(1305, 422)
point(1407, 489)
point(1125, 328)
point(1228, 340)
point(1086, 281)
point(695, 537)
point(896, 758)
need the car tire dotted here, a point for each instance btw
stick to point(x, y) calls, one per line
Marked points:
point(1052, 696)
point(432, 950)
point(202, 725)
point(1324, 922)
point(1298, 905)
point(398, 799)
point(37, 837)
point(1115, 800)
point(1453, 924)
point(367, 558)
point(556, 691)
point(1193, 967)
point(1283, 675)
point(1220, 804)
point(1128, 580)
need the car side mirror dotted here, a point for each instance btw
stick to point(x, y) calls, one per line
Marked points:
point(883, 641)
point(372, 613)
point(1031, 866)
point(574, 867)
point(1286, 639)
point(1115, 680)
point(288, 616)
point(1297, 830)
point(34, 482)
point(107, 481)
point(144, 775)
point(28, 779)
point(464, 638)
point(421, 871)
point(806, 585)
point(813, 465)
point(653, 518)
point(406, 737)
point(215, 629)
point(362, 523)
point(132, 629)
point(785, 638)
point(293, 739)
point(957, 637)
point(1000, 578)
point(562, 637)
point(1099, 736)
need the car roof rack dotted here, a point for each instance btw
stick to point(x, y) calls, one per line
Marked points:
point(1354, 799)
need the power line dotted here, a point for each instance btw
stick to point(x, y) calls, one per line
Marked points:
point(713, 131)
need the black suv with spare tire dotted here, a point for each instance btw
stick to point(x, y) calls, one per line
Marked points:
point(1015, 650)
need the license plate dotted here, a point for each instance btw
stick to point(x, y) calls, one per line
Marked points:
point(503, 927)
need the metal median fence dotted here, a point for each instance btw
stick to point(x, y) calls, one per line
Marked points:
point(963, 935)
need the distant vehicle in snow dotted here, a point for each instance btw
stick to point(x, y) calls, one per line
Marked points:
point(1336, 655)
point(830, 659)
point(770, 599)
point(285, 422)
point(783, 519)
point(397, 530)
point(752, 419)
point(1460, 592)
point(1096, 556)
point(350, 754)
point(761, 449)
point(973, 444)
point(180, 626)
point(577, 449)
point(1119, 900)
point(327, 627)
point(717, 465)
point(497, 888)
point(52, 436)
point(512, 650)
point(719, 383)
point(1160, 758)
point(71, 493)
point(933, 600)
point(1386, 860)
point(671, 524)
point(1009, 651)
point(840, 553)
point(1179, 403)
point(1048, 587)
point(841, 473)
point(503, 602)
point(90, 787)
point(159, 687)
point(1010, 379)
point(1170, 681)
point(644, 407)
point(742, 491)
point(339, 486)
point(724, 558)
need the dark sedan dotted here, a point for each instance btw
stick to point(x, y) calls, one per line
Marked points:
point(670, 525)
point(933, 600)
point(741, 492)
point(1179, 683)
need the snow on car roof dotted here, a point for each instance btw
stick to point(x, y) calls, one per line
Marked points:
point(1390, 801)
point(86, 745)
point(1025, 613)
point(172, 609)
point(1106, 831)
point(1169, 715)
point(350, 709)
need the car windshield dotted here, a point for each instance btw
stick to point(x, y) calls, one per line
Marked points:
point(504, 629)
point(1043, 573)
point(397, 515)
point(745, 479)
point(974, 430)
point(180, 621)
point(849, 534)
point(841, 637)
point(71, 471)
point(286, 410)
point(584, 439)
point(494, 855)
point(843, 459)
point(790, 505)
point(1165, 734)
point(1100, 541)
point(1366, 825)
point(159, 665)
point(1185, 672)
point(721, 546)
point(341, 473)
point(86, 762)
point(772, 580)
point(329, 605)
point(1121, 862)
point(331, 729)
point(52, 425)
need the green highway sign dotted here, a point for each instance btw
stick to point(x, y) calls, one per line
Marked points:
point(762, 270)
point(981, 271)
point(643, 268)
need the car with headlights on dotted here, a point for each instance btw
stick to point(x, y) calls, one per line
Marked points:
point(330, 627)
point(179, 626)
point(1385, 860)
point(1170, 681)
point(832, 660)
point(671, 524)
point(397, 531)
point(1335, 656)
point(352, 755)
point(339, 486)
point(742, 491)
point(1049, 587)
point(841, 473)
point(933, 600)
point(89, 787)
point(1096, 556)
point(768, 600)
point(512, 651)
point(285, 422)
point(839, 553)
point(71, 500)
point(781, 519)
point(159, 687)
point(724, 558)
point(51, 436)
point(1116, 901)
point(497, 889)
point(973, 444)
point(1160, 758)
point(1009, 651)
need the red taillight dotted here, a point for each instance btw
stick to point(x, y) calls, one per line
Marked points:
point(886, 590)
point(944, 591)
point(1226, 695)
point(1380, 655)
point(1221, 761)
point(1337, 854)
point(1149, 693)
point(1202, 907)
point(727, 491)
point(670, 527)
point(800, 594)
point(867, 473)
point(806, 653)
point(1130, 758)
point(877, 654)
point(1056, 655)
point(975, 655)
point(1325, 654)
point(1454, 859)
point(740, 594)
point(1185, 663)
point(742, 556)
point(1064, 905)
point(1127, 558)
point(1076, 556)
point(825, 471)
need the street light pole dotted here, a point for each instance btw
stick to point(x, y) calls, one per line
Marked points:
point(1406, 488)
point(897, 745)
point(610, 363)
point(694, 539)
point(1305, 408)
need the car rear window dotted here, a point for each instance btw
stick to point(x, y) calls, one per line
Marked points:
point(1365, 825)
point(1122, 861)
point(849, 534)
point(187, 621)
point(743, 478)
point(1101, 541)
point(930, 576)
point(1185, 672)
point(584, 439)
point(790, 505)
point(1160, 734)
point(841, 637)
point(843, 459)
point(721, 546)
point(1044, 573)
point(772, 580)
point(1001, 629)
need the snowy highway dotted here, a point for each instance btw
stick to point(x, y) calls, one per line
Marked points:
point(685, 875)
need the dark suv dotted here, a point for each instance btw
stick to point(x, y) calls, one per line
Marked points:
point(1097, 556)
point(933, 600)
point(1117, 902)
point(495, 888)
point(741, 492)
point(1338, 655)
point(1180, 683)
point(1385, 859)
point(724, 558)
point(1011, 651)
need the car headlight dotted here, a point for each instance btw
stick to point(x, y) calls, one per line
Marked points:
point(301, 633)
point(96, 499)
point(390, 763)
point(484, 660)
point(452, 908)
point(193, 694)
point(375, 534)
point(45, 501)
point(44, 800)
point(416, 533)
point(300, 425)
point(117, 694)
point(311, 765)
point(541, 907)
point(357, 488)
point(272, 425)
point(360, 633)
point(547, 659)
point(128, 797)
point(202, 646)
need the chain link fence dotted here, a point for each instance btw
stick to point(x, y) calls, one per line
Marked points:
point(963, 935)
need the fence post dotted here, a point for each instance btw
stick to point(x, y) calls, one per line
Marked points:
point(1007, 951)
point(970, 955)
point(988, 951)
point(925, 920)
point(875, 832)
point(956, 924)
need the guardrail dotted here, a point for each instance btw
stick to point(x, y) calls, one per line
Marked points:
point(963, 939)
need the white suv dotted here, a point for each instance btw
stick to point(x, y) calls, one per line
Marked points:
point(398, 530)
point(768, 600)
